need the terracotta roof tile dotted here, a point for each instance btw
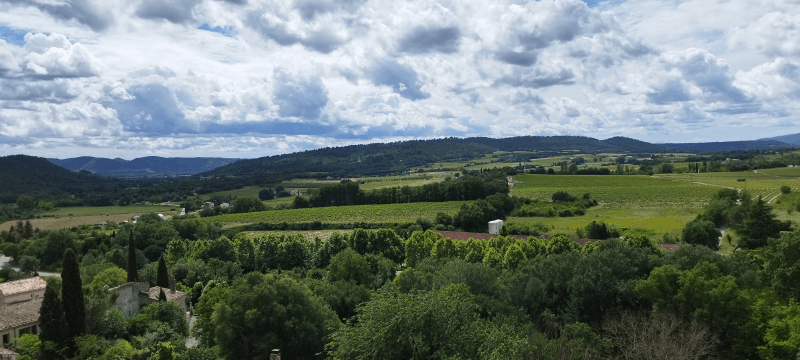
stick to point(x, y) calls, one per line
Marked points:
point(21, 313)
point(21, 286)
point(4, 351)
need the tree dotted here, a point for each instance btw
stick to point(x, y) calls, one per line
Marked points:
point(131, 259)
point(266, 194)
point(162, 278)
point(52, 322)
point(27, 232)
point(786, 189)
point(12, 251)
point(161, 296)
point(702, 232)
point(26, 203)
point(28, 264)
point(111, 277)
point(758, 226)
point(259, 313)
point(782, 264)
point(349, 265)
point(664, 336)
point(247, 204)
point(72, 298)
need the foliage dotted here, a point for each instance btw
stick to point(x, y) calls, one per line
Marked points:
point(111, 277)
point(73, 299)
point(758, 226)
point(702, 232)
point(51, 319)
point(662, 337)
point(263, 312)
point(162, 279)
point(782, 264)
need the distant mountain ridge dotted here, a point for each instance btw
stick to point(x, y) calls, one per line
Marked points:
point(793, 139)
point(762, 144)
point(144, 166)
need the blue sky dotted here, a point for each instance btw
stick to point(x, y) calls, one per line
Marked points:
point(247, 78)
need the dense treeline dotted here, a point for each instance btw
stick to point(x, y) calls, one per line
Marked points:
point(425, 296)
point(468, 187)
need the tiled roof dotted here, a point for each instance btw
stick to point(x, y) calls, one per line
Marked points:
point(668, 247)
point(21, 286)
point(21, 313)
point(139, 284)
point(463, 236)
point(155, 290)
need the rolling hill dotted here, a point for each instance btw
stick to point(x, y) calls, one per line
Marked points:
point(145, 166)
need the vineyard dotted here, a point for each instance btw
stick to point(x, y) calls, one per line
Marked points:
point(346, 214)
point(764, 183)
point(620, 192)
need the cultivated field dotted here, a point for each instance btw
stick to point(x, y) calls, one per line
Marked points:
point(309, 234)
point(765, 183)
point(345, 214)
point(618, 191)
point(111, 210)
point(657, 221)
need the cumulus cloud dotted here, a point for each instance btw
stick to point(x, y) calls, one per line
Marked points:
point(775, 34)
point(421, 40)
point(174, 11)
point(87, 12)
point(298, 96)
point(400, 77)
point(288, 28)
point(51, 56)
point(309, 9)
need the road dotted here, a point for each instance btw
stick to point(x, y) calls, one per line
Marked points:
point(5, 260)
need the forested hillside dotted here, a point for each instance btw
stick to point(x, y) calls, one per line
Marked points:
point(38, 177)
point(150, 165)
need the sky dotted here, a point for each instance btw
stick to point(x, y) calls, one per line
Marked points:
point(248, 78)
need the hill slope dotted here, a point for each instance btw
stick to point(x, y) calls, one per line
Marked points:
point(38, 177)
point(151, 165)
point(729, 145)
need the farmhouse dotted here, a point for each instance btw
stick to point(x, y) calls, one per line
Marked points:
point(20, 302)
point(133, 296)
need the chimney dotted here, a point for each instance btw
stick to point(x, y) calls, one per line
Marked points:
point(275, 355)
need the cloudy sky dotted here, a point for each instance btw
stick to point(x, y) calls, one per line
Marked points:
point(249, 78)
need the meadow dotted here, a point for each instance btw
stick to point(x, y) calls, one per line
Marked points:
point(617, 191)
point(345, 214)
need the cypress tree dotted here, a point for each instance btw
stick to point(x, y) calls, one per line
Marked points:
point(52, 322)
point(72, 298)
point(161, 296)
point(131, 259)
point(162, 278)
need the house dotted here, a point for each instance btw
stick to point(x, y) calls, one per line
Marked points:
point(6, 354)
point(20, 302)
point(224, 205)
point(133, 296)
point(208, 204)
point(162, 217)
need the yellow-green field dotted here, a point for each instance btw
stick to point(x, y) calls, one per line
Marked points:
point(382, 184)
point(345, 214)
point(308, 234)
point(659, 221)
point(617, 191)
point(757, 183)
point(111, 210)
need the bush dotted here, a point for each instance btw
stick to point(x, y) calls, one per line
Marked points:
point(786, 189)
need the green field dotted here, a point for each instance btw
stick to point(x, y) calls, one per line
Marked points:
point(111, 210)
point(346, 214)
point(783, 172)
point(310, 235)
point(760, 183)
point(618, 191)
point(658, 221)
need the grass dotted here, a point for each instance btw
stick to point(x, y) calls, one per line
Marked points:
point(758, 183)
point(382, 184)
point(658, 220)
point(243, 192)
point(69, 222)
point(617, 191)
point(111, 210)
point(346, 214)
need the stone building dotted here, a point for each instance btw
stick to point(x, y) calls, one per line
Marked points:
point(133, 296)
point(20, 302)
point(6, 354)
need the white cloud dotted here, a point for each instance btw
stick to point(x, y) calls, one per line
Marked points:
point(350, 71)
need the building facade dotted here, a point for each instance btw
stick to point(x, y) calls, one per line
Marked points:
point(133, 296)
point(20, 302)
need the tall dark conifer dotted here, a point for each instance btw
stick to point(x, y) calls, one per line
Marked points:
point(52, 323)
point(131, 259)
point(72, 298)
point(162, 278)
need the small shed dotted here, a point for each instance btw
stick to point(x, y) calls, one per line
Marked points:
point(495, 226)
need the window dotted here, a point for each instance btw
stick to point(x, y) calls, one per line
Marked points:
point(5, 339)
